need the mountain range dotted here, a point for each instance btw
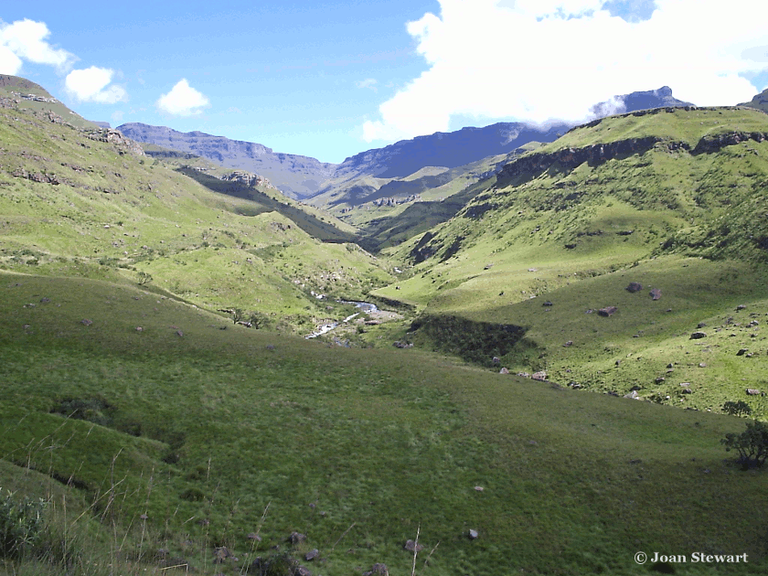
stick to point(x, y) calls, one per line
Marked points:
point(303, 177)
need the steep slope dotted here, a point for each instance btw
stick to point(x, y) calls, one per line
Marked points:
point(88, 202)
point(671, 199)
point(359, 200)
point(296, 176)
point(34, 97)
point(760, 101)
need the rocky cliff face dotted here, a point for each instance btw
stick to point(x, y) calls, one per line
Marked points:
point(296, 176)
point(450, 149)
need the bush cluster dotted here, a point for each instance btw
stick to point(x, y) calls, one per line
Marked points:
point(21, 524)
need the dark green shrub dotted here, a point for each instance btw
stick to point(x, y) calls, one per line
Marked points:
point(752, 444)
point(21, 524)
point(739, 408)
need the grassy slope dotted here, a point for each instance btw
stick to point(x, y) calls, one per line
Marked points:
point(227, 422)
point(678, 206)
point(114, 215)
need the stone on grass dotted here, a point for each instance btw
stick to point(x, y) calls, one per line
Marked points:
point(541, 376)
point(634, 287)
point(698, 335)
point(473, 535)
point(607, 311)
point(753, 392)
point(312, 554)
point(378, 569)
point(656, 294)
point(412, 546)
point(503, 371)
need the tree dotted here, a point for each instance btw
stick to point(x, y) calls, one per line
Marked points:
point(752, 444)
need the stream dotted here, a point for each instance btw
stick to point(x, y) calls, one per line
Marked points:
point(325, 328)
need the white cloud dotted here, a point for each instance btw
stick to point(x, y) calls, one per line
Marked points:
point(9, 62)
point(26, 40)
point(183, 100)
point(537, 60)
point(93, 85)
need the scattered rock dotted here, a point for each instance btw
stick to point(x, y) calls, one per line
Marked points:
point(541, 375)
point(139, 329)
point(473, 535)
point(702, 365)
point(86, 322)
point(741, 352)
point(401, 344)
point(575, 385)
point(179, 333)
point(412, 546)
point(567, 344)
point(701, 325)
point(741, 307)
point(753, 392)
point(503, 371)
point(656, 294)
point(660, 379)
point(634, 287)
point(607, 311)
point(253, 536)
point(524, 374)
point(547, 303)
point(496, 360)
point(378, 569)
point(698, 335)
point(479, 488)
point(311, 555)
point(297, 538)
point(302, 571)
point(632, 395)
point(222, 554)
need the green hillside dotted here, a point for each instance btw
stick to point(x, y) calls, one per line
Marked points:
point(81, 202)
point(672, 200)
point(190, 434)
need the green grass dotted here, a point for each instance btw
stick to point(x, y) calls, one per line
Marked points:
point(217, 424)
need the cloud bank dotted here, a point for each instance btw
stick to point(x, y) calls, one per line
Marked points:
point(539, 60)
point(93, 85)
point(27, 40)
point(183, 100)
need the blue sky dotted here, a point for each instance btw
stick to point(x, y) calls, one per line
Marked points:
point(331, 79)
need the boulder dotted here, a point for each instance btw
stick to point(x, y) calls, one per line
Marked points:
point(312, 554)
point(412, 546)
point(656, 294)
point(297, 538)
point(741, 352)
point(607, 311)
point(377, 569)
point(541, 375)
point(473, 535)
point(504, 371)
point(634, 287)
point(753, 392)
point(698, 335)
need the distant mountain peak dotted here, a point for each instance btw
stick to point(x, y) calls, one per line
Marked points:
point(641, 100)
